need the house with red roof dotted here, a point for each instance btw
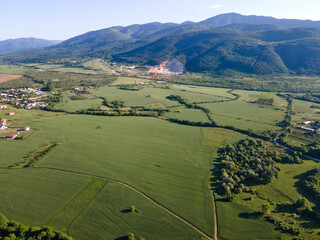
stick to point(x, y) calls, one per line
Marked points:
point(13, 136)
point(3, 124)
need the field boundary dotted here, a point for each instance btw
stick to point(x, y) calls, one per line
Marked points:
point(139, 192)
point(74, 203)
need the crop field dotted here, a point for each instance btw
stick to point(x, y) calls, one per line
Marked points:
point(73, 70)
point(128, 80)
point(245, 115)
point(253, 95)
point(12, 69)
point(70, 105)
point(64, 217)
point(226, 111)
point(31, 196)
point(189, 114)
point(99, 65)
point(102, 166)
point(122, 149)
point(149, 94)
point(220, 92)
point(108, 217)
point(47, 66)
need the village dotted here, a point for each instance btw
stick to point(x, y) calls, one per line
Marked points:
point(27, 98)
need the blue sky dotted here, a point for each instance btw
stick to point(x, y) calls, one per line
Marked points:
point(62, 19)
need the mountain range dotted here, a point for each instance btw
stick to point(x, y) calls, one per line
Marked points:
point(13, 45)
point(248, 44)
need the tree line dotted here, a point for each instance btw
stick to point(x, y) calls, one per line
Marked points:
point(10, 230)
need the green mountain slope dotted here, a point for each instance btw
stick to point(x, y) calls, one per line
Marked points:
point(13, 45)
point(249, 44)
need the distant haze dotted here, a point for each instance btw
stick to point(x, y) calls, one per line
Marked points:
point(64, 19)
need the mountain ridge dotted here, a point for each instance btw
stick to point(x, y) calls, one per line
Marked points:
point(18, 44)
point(218, 44)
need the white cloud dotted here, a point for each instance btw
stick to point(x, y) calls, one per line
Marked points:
point(216, 6)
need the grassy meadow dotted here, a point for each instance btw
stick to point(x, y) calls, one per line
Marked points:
point(245, 115)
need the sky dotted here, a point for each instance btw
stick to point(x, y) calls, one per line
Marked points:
point(63, 19)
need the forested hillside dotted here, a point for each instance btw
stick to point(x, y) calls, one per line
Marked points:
point(229, 42)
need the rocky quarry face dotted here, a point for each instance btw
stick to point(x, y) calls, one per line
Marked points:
point(174, 66)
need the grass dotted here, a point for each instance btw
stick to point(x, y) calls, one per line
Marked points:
point(70, 211)
point(286, 187)
point(171, 163)
point(70, 105)
point(99, 65)
point(130, 149)
point(303, 112)
point(245, 115)
point(47, 66)
point(31, 196)
point(167, 161)
point(183, 113)
point(108, 217)
point(34, 156)
point(128, 80)
point(278, 101)
point(12, 69)
point(73, 70)
point(149, 95)
point(238, 222)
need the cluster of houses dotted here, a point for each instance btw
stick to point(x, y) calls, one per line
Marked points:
point(24, 97)
point(14, 136)
point(35, 105)
point(310, 126)
point(4, 125)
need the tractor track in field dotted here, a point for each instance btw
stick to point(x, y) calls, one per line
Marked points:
point(145, 196)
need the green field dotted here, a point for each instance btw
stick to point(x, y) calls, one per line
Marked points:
point(149, 95)
point(99, 65)
point(128, 80)
point(253, 95)
point(234, 223)
point(73, 70)
point(133, 150)
point(78, 187)
point(108, 217)
point(12, 69)
point(302, 111)
point(189, 114)
point(31, 196)
point(245, 115)
point(70, 105)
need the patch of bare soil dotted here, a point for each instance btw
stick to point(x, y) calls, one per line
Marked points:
point(8, 77)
